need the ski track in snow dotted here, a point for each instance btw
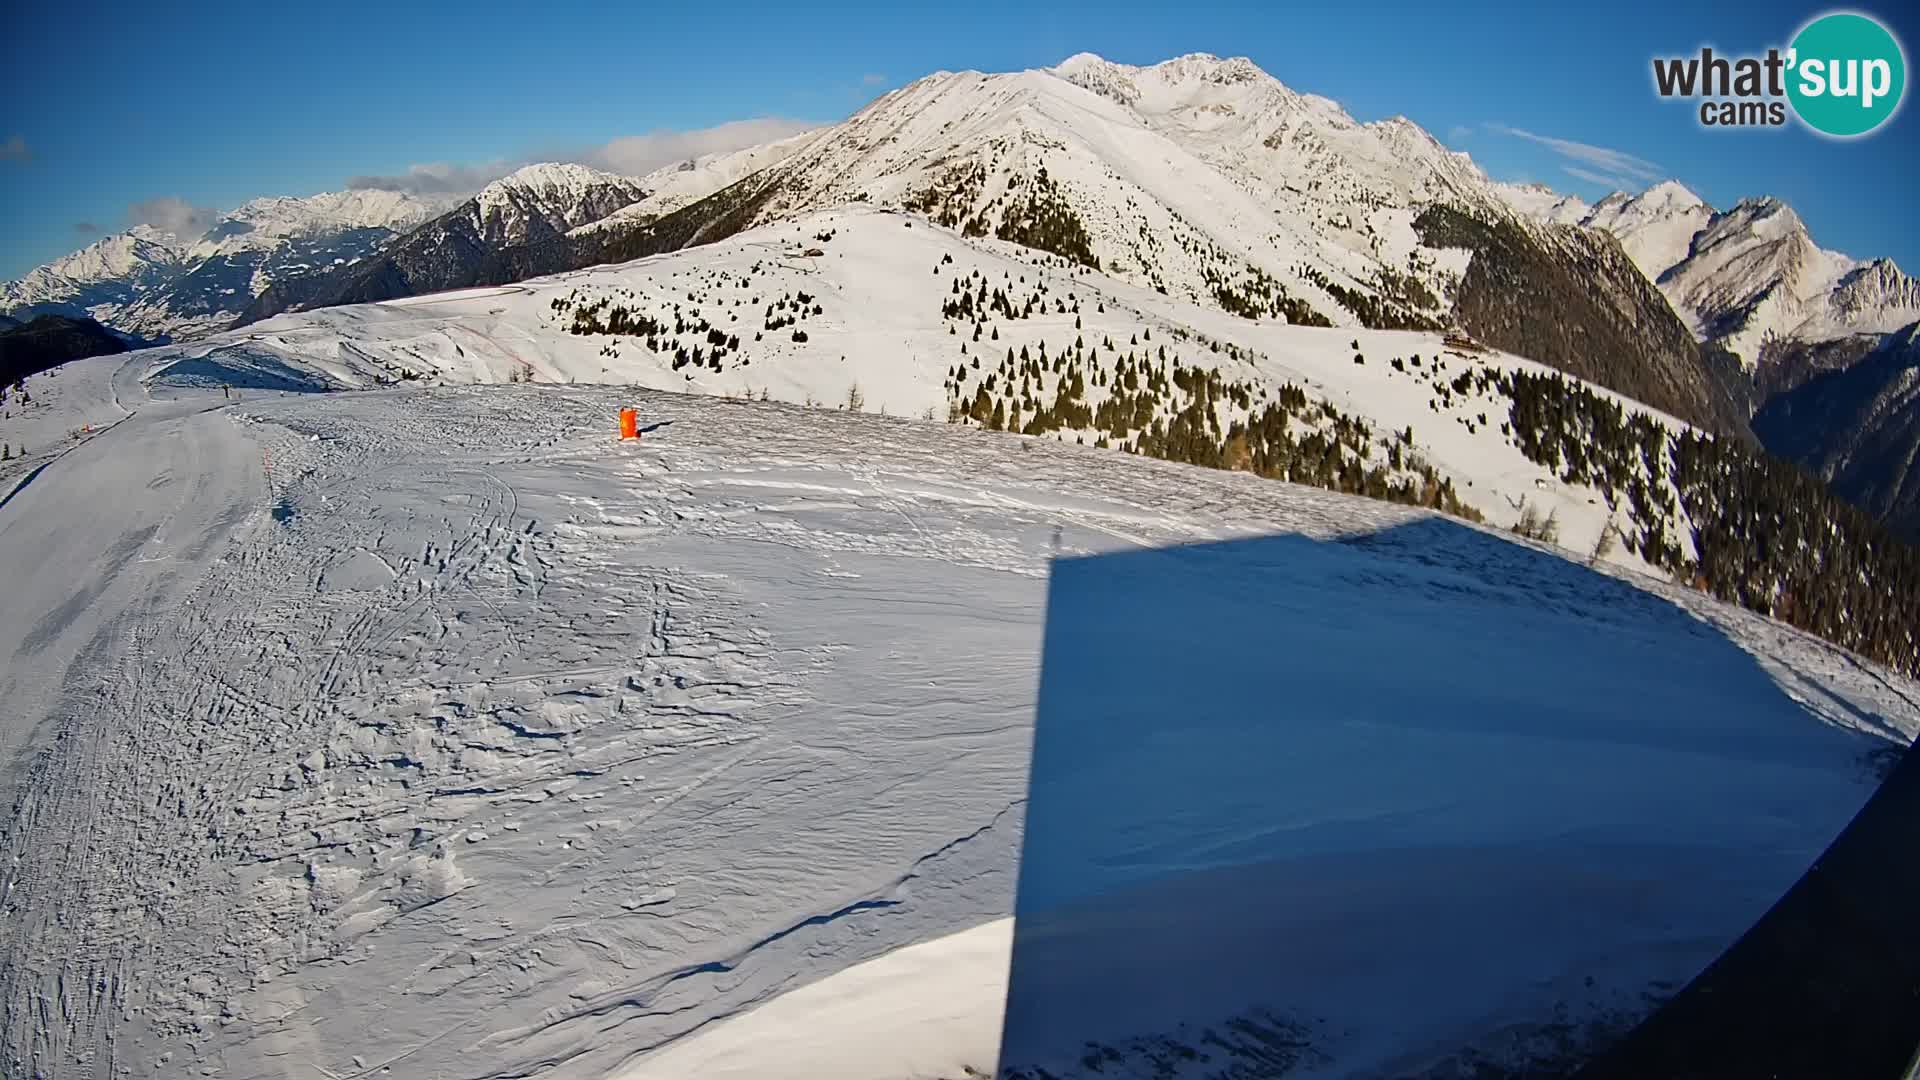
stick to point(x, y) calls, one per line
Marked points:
point(435, 733)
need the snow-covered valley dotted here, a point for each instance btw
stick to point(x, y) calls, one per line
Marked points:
point(429, 730)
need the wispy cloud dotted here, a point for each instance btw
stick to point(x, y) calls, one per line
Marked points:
point(873, 78)
point(1592, 177)
point(171, 214)
point(1459, 133)
point(1598, 164)
point(637, 154)
point(15, 149)
point(629, 155)
point(86, 228)
point(436, 178)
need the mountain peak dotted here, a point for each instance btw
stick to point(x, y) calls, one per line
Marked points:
point(1083, 61)
point(1761, 207)
point(554, 174)
point(1194, 62)
point(142, 232)
point(1123, 82)
point(549, 197)
point(119, 254)
point(1764, 217)
point(1100, 75)
point(1673, 195)
point(1208, 65)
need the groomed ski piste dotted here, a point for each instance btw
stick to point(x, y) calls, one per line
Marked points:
point(425, 729)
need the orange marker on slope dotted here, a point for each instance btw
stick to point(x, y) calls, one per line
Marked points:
point(629, 423)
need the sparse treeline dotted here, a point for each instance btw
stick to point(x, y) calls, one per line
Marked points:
point(1158, 406)
point(1032, 213)
point(1766, 535)
point(690, 338)
point(1258, 296)
point(1391, 309)
point(1040, 218)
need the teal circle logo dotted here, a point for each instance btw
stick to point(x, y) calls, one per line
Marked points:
point(1847, 74)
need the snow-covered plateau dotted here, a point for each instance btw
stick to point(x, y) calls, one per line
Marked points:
point(370, 710)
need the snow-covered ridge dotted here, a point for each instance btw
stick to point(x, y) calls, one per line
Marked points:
point(729, 319)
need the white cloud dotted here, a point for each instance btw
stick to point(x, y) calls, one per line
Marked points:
point(1459, 133)
point(15, 149)
point(436, 178)
point(873, 78)
point(1600, 164)
point(630, 155)
point(634, 155)
point(171, 214)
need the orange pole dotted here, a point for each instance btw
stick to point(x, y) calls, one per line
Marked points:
point(629, 423)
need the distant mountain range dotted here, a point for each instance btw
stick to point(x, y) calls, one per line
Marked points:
point(537, 204)
point(149, 284)
point(1825, 344)
point(1750, 278)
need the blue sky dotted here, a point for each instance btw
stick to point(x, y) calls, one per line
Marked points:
point(105, 111)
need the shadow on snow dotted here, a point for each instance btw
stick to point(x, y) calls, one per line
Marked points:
point(1420, 802)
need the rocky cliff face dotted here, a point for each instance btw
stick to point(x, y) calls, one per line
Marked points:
point(1858, 427)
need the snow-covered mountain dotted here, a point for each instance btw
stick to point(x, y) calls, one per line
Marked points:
point(1202, 176)
point(265, 223)
point(542, 201)
point(101, 280)
point(1542, 202)
point(1746, 278)
point(1204, 179)
point(152, 284)
point(534, 206)
point(1655, 228)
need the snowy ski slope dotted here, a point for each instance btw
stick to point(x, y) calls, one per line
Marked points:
point(430, 731)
